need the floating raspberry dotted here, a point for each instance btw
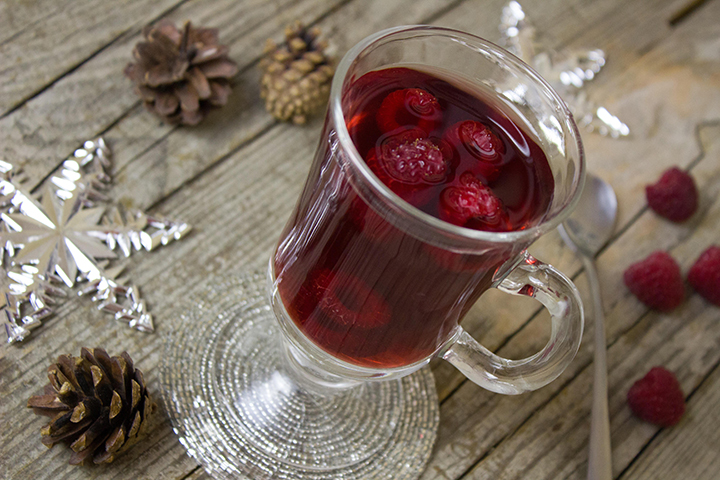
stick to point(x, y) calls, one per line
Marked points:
point(408, 163)
point(472, 204)
point(410, 107)
point(477, 147)
point(348, 301)
point(343, 311)
point(656, 281)
point(704, 275)
point(674, 196)
point(657, 398)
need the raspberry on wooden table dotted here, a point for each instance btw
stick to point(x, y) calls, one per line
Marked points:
point(656, 281)
point(657, 398)
point(674, 196)
point(704, 275)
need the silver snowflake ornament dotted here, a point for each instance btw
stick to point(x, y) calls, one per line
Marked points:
point(70, 235)
point(56, 236)
point(25, 300)
point(567, 71)
point(86, 174)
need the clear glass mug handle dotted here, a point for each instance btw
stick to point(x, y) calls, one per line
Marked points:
point(532, 278)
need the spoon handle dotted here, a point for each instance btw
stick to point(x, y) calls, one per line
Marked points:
point(599, 453)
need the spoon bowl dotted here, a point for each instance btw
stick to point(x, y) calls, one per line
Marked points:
point(593, 220)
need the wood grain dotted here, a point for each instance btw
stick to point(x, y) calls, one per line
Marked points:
point(37, 53)
point(237, 176)
point(698, 438)
point(97, 96)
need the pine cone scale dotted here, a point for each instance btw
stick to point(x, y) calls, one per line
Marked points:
point(209, 53)
point(47, 402)
point(218, 68)
point(188, 117)
point(188, 97)
point(204, 36)
point(160, 75)
point(166, 103)
point(219, 93)
point(166, 28)
point(199, 82)
point(71, 430)
point(115, 440)
point(116, 405)
point(103, 388)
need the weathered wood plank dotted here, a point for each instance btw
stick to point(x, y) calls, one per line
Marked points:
point(198, 474)
point(50, 127)
point(18, 16)
point(238, 207)
point(46, 49)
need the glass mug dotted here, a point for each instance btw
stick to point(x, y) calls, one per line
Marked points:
point(364, 289)
point(367, 287)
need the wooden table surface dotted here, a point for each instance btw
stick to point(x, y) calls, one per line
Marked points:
point(236, 177)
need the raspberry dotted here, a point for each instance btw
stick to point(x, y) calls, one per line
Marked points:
point(410, 107)
point(674, 196)
point(408, 163)
point(473, 205)
point(657, 398)
point(338, 311)
point(474, 141)
point(656, 281)
point(349, 302)
point(704, 275)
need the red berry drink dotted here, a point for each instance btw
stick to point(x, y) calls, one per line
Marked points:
point(365, 290)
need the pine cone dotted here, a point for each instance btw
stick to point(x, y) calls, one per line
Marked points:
point(297, 75)
point(181, 75)
point(98, 404)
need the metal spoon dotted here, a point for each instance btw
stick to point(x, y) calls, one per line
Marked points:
point(587, 229)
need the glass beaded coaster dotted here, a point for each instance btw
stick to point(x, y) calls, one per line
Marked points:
point(241, 417)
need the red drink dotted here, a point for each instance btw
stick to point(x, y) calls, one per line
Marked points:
point(363, 289)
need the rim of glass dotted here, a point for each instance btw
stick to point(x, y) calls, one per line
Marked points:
point(335, 106)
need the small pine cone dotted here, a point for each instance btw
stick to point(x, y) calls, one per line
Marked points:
point(181, 75)
point(297, 75)
point(98, 405)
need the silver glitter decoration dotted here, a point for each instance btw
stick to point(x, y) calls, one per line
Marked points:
point(69, 235)
point(566, 71)
point(241, 417)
